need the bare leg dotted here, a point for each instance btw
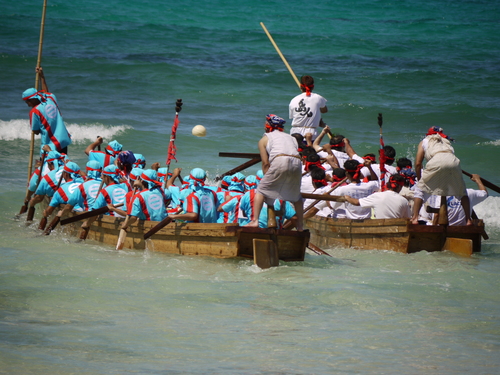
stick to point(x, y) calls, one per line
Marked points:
point(465, 201)
point(299, 211)
point(417, 205)
point(259, 202)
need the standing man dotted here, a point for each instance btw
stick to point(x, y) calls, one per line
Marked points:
point(305, 109)
point(282, 169)
point(45, 118)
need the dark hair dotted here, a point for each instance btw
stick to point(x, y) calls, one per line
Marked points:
point(351, 164)
point(318, 173)
point(396, 178)
point(308, 150)
point(339, 172)
point(307, 80)
point(404, 163)
point(300, 140)
point(371, 155)
point(390, 153)
point(313, 158)
point(336, 140)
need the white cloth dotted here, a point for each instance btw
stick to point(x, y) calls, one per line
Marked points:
point(456, 213)
point(358, 191)
point(376, 168)
point(387, 205)
point(442, 174)
point(305, 113)
point(283, 178)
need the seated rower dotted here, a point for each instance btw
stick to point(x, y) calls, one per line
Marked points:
point(90, 187)
point(49, 183)
point(200, 206)
point(357, 189)
point(386, 204)
point(140, 162)
point(66, 192)
point(236, 189)
point(106, 157)
point(150, 203)
point(336, 146)
point(125, 162)
point(112, 195)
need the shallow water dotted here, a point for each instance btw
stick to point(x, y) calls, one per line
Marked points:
point(117, 69)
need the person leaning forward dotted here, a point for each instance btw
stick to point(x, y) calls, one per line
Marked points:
point(45, 117)
point(282, 168)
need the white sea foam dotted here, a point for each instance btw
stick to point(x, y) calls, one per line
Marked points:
point(488, 211)
point(494, 143)
point(19, 129)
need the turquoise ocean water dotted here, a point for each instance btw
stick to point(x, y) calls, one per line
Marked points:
point(117, 69)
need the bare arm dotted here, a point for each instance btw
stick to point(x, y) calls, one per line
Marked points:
point(93, 145)
point(419, 160)
point(324, 109)
point(175, 174)
point(42, 79)
point(263, 154)
point(318, 140)
point(477, 179)
point(348, 148)
point(351, 200)
point(373, 175)
point(190, 216)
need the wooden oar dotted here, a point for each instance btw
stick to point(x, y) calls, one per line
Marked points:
point(316, 249)
point(324, 197)
point(485, 182)
point(88, 214)
point(37, 82)
point(158, 226)
point(328, 192)
point(280, 54)
point(239, 168)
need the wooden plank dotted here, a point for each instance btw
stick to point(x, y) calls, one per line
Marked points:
point(265, 253)
point(244, 155)
point(458, 246)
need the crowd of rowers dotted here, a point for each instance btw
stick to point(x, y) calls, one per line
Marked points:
point(119, 180)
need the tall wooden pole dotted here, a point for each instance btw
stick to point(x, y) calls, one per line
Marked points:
point(37, 80)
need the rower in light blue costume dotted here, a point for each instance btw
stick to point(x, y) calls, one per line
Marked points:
point(68, 193)
point(45, 117)
point(151, 203)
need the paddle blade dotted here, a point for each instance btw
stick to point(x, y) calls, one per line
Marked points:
point(265, 253)
point(84, 233)
point(52, 225)
point(23, 209)
point(43, 223)
point(31, 214)
point(121, 239)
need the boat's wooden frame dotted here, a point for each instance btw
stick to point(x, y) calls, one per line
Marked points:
point(214, 240)
point(390, 234)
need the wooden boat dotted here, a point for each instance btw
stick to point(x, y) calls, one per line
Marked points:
point(394, 234)
point(214, 240)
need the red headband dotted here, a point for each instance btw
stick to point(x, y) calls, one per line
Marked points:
point(355, 172)
point(308, 88)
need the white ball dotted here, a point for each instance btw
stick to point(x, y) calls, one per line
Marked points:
point(199, 131)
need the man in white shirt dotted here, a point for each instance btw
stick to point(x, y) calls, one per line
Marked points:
point(357, 189)
point(305, 109)
point(386, 204)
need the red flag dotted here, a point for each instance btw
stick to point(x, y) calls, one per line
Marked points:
point(171, 147)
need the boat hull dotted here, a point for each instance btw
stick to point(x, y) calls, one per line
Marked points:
point(214, 240)
point(389, 234)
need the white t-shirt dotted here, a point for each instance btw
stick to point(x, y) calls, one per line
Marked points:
point(358, 191)
point(376, 168)
point(456, 214)
point(305, 113)
point(387, 205)
point(342, 157)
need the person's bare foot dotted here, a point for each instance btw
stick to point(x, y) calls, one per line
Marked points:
point(252, 224)
point(469, 222)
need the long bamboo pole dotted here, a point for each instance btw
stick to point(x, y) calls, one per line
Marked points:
point(279, 53)
point(37, 80)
